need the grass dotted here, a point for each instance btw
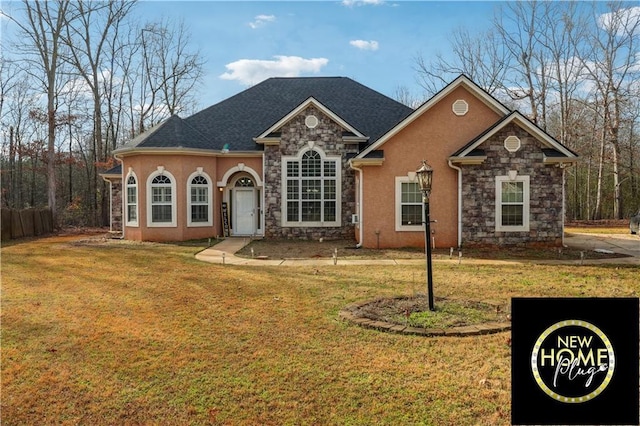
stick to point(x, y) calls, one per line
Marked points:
point(145, 334)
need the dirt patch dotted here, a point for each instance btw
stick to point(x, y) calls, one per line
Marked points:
point(307, 249)
point(413, 311)
point(346, 249)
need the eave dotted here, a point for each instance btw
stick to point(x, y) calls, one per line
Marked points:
point(107, 176)
point(463, 161)
point(559, 160)
point(360, 162)
point(126, 152)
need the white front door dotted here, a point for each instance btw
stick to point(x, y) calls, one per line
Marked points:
point(244, 222)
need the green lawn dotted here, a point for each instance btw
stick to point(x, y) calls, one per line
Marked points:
point(145, 334)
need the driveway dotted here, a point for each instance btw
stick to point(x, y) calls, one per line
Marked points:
point(618, 243)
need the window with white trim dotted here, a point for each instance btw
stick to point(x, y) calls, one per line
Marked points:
point(409, 207)
point(199, 212)
point(311, 189)
point(131, 200)
point(161, 200)
point(512, 204)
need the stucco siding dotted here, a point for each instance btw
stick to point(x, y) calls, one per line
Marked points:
point(433, 136)
point(180, 167)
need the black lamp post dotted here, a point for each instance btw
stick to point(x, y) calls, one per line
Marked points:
point(425, 176)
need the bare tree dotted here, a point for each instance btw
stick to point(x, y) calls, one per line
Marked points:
point(403, 95)
point(43, 31)
point(481, 57)
point(87, 37)
point(170, 71)
point(611, 63)
point(518, 24)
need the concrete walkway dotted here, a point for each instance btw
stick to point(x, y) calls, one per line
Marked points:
point(224, 253)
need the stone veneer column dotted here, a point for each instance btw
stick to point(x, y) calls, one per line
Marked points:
point(295, 135)
point(116, 205)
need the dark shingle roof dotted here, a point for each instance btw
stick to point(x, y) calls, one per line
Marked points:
point(172, 133)
point(239, 119)
point(115, 170)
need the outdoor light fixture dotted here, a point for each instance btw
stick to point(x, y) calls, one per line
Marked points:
point(425, 177)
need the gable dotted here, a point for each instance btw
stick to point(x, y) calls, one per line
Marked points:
point(272, 134)
point(443, 99)
point(552, 151)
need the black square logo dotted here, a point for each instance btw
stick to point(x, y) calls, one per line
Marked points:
point(574, 361)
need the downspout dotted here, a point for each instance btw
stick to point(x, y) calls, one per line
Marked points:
point(459, 202)
point(360, 218)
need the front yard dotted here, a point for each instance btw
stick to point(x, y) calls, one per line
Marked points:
point(145, 334)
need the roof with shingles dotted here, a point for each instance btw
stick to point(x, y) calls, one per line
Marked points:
point(236, 121)
point(174, 132)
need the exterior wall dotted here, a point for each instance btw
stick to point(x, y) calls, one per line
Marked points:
point(116, 205)
point(433, 136)
point(295, 135)
point(230, 168)
point(479, 193)
point(181, 167)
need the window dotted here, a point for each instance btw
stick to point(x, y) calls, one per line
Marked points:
point(199, 202)
point(311, 190)
point(512, 203)
point(161, 200)
point(409, 207)
point(131, 200)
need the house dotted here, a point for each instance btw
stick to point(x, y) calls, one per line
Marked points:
point(326, 157)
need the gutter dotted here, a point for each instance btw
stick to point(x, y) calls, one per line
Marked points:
point(459, 201)
point(360, 218)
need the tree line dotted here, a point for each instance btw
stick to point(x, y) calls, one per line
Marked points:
point(574, 69)
point(82, 78)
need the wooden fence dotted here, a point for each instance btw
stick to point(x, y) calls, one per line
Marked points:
point(26, 223)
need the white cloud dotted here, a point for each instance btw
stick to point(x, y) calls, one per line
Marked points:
point(253, 71)
point(621, 21)
point(261, 20)
point(351, 3)
point(364, 44)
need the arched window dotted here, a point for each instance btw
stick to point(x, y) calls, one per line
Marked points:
point(244, 182)
point(131, 200)
point(199, 203)
point(161, 189)
point(311, 190)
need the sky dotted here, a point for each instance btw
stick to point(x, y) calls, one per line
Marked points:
point(375, 42)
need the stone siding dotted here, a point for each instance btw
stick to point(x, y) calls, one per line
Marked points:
point(479, 193)
point(116, 205)
point(295, 135)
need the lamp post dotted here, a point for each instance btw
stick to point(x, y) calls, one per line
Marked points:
point(425, 176)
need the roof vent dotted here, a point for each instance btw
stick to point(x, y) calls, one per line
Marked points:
point(311, 121)
point(512, 143)
point(460, 107)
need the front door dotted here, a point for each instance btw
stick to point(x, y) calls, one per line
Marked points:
point(245, 211)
